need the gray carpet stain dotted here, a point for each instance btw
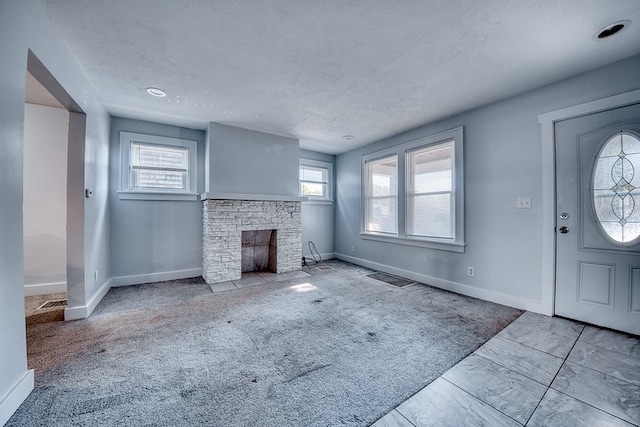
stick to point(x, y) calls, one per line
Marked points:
point(173, 353)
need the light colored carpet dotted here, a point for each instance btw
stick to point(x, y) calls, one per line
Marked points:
point(336, 348)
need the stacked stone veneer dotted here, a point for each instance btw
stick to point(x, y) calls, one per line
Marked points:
point(223, 224)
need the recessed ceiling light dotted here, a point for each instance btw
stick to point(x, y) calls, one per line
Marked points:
point(611, 29)
point(348, 137)
point(154, 91)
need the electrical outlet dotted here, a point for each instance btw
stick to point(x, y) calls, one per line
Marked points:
point(524, 202)
point(471, 271)
point(95, 276)
point(353, 248)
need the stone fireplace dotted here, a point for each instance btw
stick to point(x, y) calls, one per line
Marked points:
point(225, 220)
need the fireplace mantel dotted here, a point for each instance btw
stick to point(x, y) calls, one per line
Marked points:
point(256, 197)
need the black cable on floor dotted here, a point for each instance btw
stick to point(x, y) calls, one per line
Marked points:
point(312, 248)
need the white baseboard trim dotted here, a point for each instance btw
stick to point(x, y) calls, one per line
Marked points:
point(45, 288)
point(483, 294)
point(155, 277)
point(84, 311)
point(14, 398)
point(330, 255)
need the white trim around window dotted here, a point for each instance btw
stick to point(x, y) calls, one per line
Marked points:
point(381, 195)
point(157, 168)
point(429, 200)
point(316, 181)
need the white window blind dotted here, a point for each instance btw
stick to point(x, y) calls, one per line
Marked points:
point(425, 206)
point(155, 167)
point(159, 167)
point(382, 195)
point(430, 198)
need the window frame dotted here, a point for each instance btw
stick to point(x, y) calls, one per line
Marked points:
point(367, 196)
point(402, 151)
point(412, 194)
point(317, 164)
point(128, 192)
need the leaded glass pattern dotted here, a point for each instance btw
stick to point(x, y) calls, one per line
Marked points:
point(616, 188)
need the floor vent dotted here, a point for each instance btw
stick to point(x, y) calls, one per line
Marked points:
point(391, 279)
point(53, 303)
point(324, 267)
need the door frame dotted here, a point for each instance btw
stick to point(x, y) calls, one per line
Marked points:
point(547, 127)
point(75, 243)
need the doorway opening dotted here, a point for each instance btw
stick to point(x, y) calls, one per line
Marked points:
point(44, 208)
point(53, 196)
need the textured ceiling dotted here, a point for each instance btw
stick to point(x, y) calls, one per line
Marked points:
point(320, 69)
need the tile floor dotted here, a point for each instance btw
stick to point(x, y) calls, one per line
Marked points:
point(539, 371)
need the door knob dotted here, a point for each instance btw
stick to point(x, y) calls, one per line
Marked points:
point(564, 229)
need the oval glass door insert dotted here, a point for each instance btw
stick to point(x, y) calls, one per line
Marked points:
point(615, 190)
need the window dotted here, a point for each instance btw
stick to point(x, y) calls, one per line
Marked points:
point(426, 208)
point(430, 192)
point(157, 168)
point(615, 187)
point(316, 180)
point(381, 195)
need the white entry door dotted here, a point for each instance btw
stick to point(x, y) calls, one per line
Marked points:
point(598, 218)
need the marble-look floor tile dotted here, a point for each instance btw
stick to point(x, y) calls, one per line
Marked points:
point(608, 362)
point(222, 286)
point(392, 419)
point(616, 341)
point(529, 334)
point(443, 404)
point(502, 388)
point(557, 325)
point(534, 364)
point(560, 410)
point(610, 394)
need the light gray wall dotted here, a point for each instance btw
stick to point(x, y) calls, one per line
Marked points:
point(503, 161)
point(45, 195)
point(249, 162)
point(23, 26)
point(152, 238)
point(318, 219)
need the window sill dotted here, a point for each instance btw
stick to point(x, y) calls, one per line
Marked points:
point(317, 202)
point(407, 241)
point(141, 195)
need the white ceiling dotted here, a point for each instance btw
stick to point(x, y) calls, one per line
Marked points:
point(320, 69)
